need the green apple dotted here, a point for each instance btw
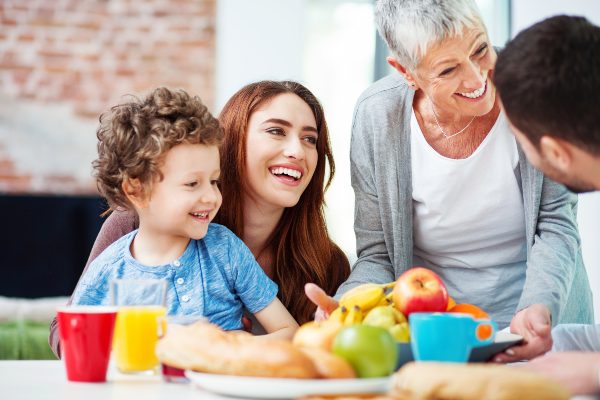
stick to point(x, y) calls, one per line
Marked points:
point(400, 332)
point(371, 350)
point(382, 316)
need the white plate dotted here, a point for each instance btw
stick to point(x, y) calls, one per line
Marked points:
point(280, 388)
point(504, 336)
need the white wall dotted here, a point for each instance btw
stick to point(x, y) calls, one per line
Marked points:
point(525, 13)
point(328, 46)
point(255, 40)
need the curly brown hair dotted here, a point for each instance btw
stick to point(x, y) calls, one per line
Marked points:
point(134, 137)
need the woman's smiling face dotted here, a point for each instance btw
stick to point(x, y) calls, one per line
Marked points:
point(281, 151)
point(455, 74)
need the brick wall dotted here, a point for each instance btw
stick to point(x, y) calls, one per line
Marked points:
point(63, 62)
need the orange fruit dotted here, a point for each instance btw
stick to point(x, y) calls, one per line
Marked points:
point(483, 331)
point(451, 303)
point(471, 309)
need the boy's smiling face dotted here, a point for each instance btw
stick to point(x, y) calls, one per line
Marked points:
point(188, 197)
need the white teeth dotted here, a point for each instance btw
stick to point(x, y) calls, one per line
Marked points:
point(474, 94)
point(200, 215)
point(287, 171)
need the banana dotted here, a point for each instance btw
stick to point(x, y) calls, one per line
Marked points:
point(354, 316)
point(339, 314)
point(365, 296)
point(387, 300)
point(390, 297)
point(389, 285)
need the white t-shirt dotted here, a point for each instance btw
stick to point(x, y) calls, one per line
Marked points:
point(468, 215)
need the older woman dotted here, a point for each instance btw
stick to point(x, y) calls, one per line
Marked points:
point(440, 181)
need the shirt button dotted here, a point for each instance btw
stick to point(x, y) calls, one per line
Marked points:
point(176, 263)
point(185, 298)
point(180, 281)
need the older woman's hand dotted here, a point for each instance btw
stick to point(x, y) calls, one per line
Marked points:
point(534, 324)
point(325, 303)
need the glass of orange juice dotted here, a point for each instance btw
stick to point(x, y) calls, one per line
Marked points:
point(140, 322)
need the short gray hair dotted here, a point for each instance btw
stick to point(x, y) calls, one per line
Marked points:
point(410, 26)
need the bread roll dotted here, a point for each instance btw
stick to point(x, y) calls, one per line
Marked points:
point(447, 381)
point(204, 347)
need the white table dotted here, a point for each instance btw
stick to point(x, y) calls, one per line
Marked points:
point(46, 380)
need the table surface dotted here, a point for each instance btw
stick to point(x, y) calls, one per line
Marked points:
point(41, 380)
point(27, 380)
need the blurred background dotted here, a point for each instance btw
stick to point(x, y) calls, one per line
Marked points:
point(63, 62)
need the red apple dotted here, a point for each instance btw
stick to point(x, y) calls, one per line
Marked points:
point(420, 290)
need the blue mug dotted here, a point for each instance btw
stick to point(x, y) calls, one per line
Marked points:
point(447, 337)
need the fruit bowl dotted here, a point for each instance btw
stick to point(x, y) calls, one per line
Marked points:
point(503, 341)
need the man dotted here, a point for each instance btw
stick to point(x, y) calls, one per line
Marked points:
point(548, 79)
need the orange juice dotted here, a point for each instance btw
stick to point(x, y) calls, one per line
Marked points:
point(136, 332)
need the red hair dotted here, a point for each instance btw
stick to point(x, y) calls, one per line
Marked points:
point(300, 244)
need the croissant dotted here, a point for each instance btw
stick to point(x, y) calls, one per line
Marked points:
point(204, 347)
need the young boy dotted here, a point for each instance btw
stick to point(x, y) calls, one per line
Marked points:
point(160, 157)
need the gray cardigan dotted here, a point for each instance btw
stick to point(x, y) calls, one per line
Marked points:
point(381, 177)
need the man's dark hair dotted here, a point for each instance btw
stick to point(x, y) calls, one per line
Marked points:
point(548, 78)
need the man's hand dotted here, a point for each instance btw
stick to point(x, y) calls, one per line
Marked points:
point(578, 371)
point(325, 304)
point(534, 324)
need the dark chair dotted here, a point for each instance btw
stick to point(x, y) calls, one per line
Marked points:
point(45, 242)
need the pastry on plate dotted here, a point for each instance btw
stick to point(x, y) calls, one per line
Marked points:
point(449, 381)
point(205, 347)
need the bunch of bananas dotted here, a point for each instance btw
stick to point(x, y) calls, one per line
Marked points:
point(367, 304)
point(372, 304)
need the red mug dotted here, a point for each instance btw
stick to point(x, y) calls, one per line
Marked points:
point(85, 340)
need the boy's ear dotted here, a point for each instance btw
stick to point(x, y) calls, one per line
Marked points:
point(403, 71)
point(134, 192)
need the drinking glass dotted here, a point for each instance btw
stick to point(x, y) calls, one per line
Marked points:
point(140, 322)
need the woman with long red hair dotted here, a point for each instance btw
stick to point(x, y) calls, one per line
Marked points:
point(283, 224)
point(274, 158)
